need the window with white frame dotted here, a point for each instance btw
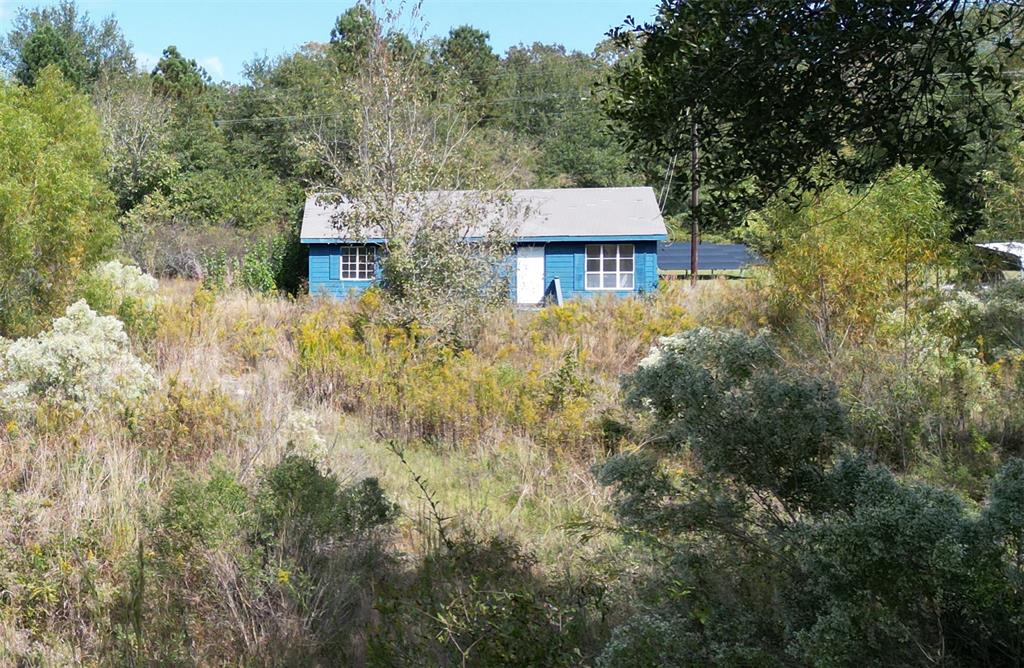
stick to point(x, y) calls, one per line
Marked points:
point(610, 267)
point(358, 263)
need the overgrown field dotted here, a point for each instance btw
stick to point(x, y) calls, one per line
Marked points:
point(193, 518)
point(222, 477)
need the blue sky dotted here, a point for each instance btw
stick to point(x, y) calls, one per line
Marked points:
point(224, 34)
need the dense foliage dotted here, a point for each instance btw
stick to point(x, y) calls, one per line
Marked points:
point(55, 212)
point(837, 560)
point(772, 92)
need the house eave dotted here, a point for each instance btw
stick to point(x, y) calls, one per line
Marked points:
point(617, 238)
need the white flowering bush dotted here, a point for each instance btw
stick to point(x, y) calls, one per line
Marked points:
point(125, 291)
point(301, 434)
point(126, 281)
point(83, 360)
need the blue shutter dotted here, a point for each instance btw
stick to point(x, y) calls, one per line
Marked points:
point(334, 263)
point(579, 265)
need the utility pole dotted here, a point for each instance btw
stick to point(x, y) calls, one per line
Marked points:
point(694, 201)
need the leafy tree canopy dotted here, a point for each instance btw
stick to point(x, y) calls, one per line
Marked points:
point(45, 47)
point(65, 36)
point(778, 89)
point(467, 53)
point(548, 95)
point(353, 33)
point(849, 256)
point(56, 211)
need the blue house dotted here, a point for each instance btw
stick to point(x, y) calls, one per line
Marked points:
point(576, 242)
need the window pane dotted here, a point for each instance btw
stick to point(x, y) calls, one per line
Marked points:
point(626, 265)
point(608, 250)
point(593, 265)
point(609, 280)
point(358, 262)
point(593, 281)
point(625, 250)
point(593, 251)
point(609, 264)
point(626, 281)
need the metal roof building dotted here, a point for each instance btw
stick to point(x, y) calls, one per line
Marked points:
point(675, 256)
point(1009, 251)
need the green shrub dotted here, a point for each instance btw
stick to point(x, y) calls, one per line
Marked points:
point(265, 267)
point(205, 512)
point(832, 560)
point(280, 574)
point(310, 506)
point(724, 395)
point(477, 602)
point(216, 268)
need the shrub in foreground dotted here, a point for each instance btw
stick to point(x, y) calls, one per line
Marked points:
point(83, 362)
point(126, 292)
point(831, 560)
point(276, 574)
point(476, 602)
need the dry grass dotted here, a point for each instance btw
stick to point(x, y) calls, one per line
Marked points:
point(79, 489)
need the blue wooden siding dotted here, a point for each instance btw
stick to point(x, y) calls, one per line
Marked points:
point(324, 273)
point(563, 260)
point(567, 262)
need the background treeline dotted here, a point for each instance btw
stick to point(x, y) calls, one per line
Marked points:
point(198, 166)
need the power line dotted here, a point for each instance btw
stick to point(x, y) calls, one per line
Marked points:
point(297, 117)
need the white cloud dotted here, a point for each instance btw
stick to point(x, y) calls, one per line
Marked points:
point(212, 65)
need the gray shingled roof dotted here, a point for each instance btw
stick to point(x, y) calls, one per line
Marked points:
point(550, 213)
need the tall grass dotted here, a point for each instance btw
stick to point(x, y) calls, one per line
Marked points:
point(501, 435)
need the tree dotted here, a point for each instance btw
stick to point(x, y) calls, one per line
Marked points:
point(295, 87)
point(767, 94)
point(849, 257)
point(467, 53)
point(1002, 191)
point(136, 124)
point(177, 77)
point(353, 34)
point(548, 96)
point(56, 212)
point(45, 47)
point(63, 35)
point(443, 256)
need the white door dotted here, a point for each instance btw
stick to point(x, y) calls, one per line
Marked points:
point(529, 274)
